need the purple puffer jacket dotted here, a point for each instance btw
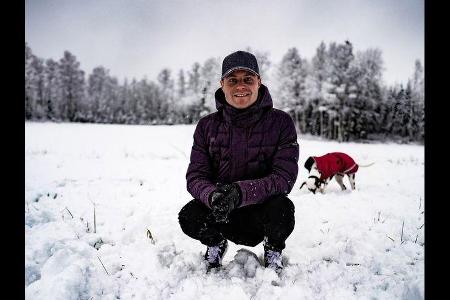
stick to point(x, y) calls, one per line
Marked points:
point(255, 147)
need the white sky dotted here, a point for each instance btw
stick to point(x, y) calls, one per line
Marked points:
point(138, 38)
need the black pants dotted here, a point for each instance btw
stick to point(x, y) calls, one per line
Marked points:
point(248, 225)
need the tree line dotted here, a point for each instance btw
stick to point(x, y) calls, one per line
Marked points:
point(338, 94)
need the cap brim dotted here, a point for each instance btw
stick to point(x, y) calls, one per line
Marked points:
point(238, 68)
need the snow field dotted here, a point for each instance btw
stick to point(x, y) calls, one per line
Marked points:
point(362, 244)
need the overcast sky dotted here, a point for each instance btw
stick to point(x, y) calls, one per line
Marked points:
point(137, 38)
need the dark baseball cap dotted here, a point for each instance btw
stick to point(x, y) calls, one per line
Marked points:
point(239, 60)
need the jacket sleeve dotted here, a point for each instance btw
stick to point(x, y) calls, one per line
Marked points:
point(284, 169)
point(199, 172)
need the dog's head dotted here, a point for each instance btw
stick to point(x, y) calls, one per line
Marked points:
point(313, 183)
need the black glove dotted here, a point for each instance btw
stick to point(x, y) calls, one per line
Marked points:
point(223, 200)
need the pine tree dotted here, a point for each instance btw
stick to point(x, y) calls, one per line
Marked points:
point(401, 112)
point(53, 92)
point(292, 72)
point(209, 78)
point(30, 87)
point(123, 109)
point(263, 63)
point(73, 86)
point(165, 101)
point(181, 84)
point(317, 90)
point(418, 101)
point(192, 101)
point(103, 91)
point(41, 105)
point(366, 72)
point(342, 87)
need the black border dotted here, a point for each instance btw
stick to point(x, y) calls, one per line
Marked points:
point(436, 150)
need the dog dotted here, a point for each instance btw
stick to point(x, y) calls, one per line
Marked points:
point(323, 168)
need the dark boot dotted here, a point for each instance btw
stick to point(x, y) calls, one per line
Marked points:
point(214, 254)
point(272, 258)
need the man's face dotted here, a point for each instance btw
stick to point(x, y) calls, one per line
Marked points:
point(241, 88)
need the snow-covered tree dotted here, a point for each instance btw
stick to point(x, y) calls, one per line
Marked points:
point(292, 72)
point(53, 91)
point(317, 90)
point(181, 91)
point(29, 83)
point(194, 80)
point(342, 86)
point(34, 85)
point(166, 100)
point(319, 72)
point(103, 92)
point(264, 62)
point(418, 100)
point(73, 86)
point(366, 73)
point(210, 78)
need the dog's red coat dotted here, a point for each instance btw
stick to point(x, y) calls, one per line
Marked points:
point(333, 163)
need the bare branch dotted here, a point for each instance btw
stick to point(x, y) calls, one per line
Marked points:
point(103, 265)
point(95, 224)
point(150, 236)
point(401, 237)
point(69, 212)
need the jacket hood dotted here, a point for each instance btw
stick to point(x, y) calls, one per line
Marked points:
point(247, 116)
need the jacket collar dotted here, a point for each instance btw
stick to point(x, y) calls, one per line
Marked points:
point(248, 116)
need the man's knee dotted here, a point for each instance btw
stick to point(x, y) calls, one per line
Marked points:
point(281, 211)
point(190, 214)
point(281, 204)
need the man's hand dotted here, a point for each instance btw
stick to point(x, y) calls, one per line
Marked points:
point(223, 200)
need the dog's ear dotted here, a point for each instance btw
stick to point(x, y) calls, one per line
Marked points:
point(308, 163)
point(304, 182)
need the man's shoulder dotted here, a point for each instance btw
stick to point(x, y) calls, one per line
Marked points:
point(208, 119)
point(279, 114)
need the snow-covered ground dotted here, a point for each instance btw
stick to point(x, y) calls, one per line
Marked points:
point(362, 244)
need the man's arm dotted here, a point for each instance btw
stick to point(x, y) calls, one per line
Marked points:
point(284, 169)
point(199, 172)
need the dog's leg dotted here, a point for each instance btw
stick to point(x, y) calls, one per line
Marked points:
point(323, 185)
point(351, 178)
point(322, 189)
point(339, 180)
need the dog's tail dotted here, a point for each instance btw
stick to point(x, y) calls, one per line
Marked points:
point(365, 166)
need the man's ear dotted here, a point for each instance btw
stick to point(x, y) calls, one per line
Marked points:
point(221, 83)
point(259, 82)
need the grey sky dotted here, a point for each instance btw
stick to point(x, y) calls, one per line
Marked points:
point(137, 38)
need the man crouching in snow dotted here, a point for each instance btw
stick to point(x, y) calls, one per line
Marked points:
point(244, 162)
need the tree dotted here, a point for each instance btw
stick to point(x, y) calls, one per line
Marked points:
point(341, 85)
point(210, 78)
point(165, 100)
point(366, 72)
point(319, 71)
point(317, 90)
point(292, 73)
point(194, 79)
point(103, 92)
point(30, 88)
point(73, 86)
point(181, 84)
point(53, 92)
point(418, 100)
point(263, 62)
